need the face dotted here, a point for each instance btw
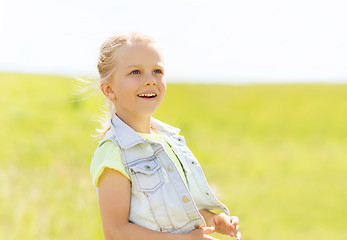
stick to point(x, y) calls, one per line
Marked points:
point(138, 82)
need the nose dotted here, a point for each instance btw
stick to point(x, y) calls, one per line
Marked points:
point(150, 80)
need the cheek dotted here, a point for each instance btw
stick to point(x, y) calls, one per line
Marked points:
point(163, 91)
point(125, 92)
point(163, 84)
point(127, 87)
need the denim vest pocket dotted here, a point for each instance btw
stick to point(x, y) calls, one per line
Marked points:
point(147, 175)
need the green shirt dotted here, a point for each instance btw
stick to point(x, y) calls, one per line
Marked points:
point(109, 155)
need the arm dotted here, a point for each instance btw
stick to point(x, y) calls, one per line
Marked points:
point(116, 188)
point(208, 216)
point(223, 223)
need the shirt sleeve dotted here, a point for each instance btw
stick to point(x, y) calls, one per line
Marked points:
point(107, 155)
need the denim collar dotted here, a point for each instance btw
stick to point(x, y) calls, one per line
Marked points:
point(128, 137)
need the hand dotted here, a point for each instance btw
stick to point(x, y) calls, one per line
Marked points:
point(202, 233)
point(228, 225)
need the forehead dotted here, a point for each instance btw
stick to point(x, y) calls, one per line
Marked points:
point(139, 54)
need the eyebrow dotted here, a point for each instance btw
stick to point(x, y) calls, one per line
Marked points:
point(131, 66)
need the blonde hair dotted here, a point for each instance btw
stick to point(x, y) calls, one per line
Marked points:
point(106, 64)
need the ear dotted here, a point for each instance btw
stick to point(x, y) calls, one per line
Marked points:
point(107, 90)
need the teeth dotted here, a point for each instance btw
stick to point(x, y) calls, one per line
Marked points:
point(147, 95)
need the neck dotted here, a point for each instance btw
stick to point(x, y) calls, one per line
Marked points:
point(140, 123)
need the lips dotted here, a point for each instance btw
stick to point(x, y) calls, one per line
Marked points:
point(147, 95)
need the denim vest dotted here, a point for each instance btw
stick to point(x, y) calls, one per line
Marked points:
point(160, 199)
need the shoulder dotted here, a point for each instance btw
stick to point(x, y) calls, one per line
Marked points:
point(107, 155)
point(107, 151)
point(107, 147)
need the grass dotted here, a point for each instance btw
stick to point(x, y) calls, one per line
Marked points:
point(275, 154)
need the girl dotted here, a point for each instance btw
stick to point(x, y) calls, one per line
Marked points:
point(149, 184)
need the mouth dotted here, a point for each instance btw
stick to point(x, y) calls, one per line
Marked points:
point(147, 95)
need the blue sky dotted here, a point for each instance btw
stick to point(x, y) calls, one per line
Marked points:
point(202, 40)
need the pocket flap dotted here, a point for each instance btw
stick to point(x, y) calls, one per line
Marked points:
point(145, 167)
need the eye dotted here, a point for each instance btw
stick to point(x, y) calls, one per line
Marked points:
point(135, 72)
point(158, 71)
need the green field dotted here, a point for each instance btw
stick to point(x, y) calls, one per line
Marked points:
point(275, 154)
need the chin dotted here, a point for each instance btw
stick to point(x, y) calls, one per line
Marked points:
point(148, 112)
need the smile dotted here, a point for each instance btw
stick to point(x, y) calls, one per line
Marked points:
point(147, 95)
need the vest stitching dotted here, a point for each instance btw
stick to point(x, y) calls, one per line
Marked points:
point(167, 213)
point(178, 194)
point(129, 164)
point(151, 189)
point(150, 207)
point(211, 199)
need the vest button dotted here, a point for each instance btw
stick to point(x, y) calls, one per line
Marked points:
point(196, 226)
point(170, 168)
point(186, 199)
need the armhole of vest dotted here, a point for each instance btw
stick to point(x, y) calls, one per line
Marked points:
point(103, 142)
